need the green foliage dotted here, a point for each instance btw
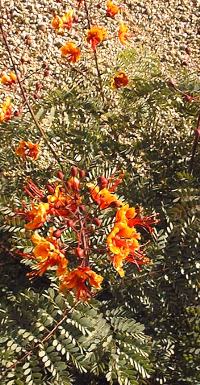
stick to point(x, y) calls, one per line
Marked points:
point(46, 337)
point(146, 130)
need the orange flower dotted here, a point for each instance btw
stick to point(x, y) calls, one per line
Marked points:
point(78, 279)
point(67, 20)
point(27, 149)
point(47, 254)
point(119, 80)
point(8, 79)
point(64, 22)
point(37, 216)
point(73, 183)
point(72, 52)
point(123, 239)
point(125, 213)
point(112, 9)
point(96, 35)
point(104, 198)
point(123, 33)
point(57, 23)
point(6, 110)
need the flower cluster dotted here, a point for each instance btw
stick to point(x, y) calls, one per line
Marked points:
point(73, 204)
point(123, 241)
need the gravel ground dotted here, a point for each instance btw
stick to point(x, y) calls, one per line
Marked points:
point(169, 28)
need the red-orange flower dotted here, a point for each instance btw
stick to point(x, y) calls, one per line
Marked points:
point(61, 203)
point(6, 110)
point(112, 9)
point(96, 35)
point(72, 52)
point(123, 240)
point(123, 33)
point(67, 19)
point(119, 80)
point(37, 216)
point(64, 22)
point(104, 198)
point(80, 280)
point(48, 254)
point(57, 23)
point(27, 149)
point(8, 79)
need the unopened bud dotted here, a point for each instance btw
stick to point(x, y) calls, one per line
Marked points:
point(71, 223)
point(50, 189)
point(38, 86)
point(60, 175)
point(79, 252)
point(188, 98)
point(46, 73)
point(57, 233)
point(103, 182)
point(74, 171)
point(75, 19)
point(73, 183)
point(82, 173)
point(116, 204)
point(97, 221)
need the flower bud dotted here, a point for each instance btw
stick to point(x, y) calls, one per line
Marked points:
point(46, 73)
point(116, 204)
point(74, 171)
point(188, 98)
point(80, 252)
point(57, 233)
point(73, 183)
point(60, 175)
point(103, 182)
point(38, 86)
point(82, 173)
point(70, 223)
point(82, 207)
point(97, 221)
point(50, 188)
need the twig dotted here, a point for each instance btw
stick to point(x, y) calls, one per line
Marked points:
point(95, 54)
point(195, 143)
point(25, 98)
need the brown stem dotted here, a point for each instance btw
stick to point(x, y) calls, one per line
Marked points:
point(95, 54)
point(84, 241)
point(25, 98)
point(195, 143)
